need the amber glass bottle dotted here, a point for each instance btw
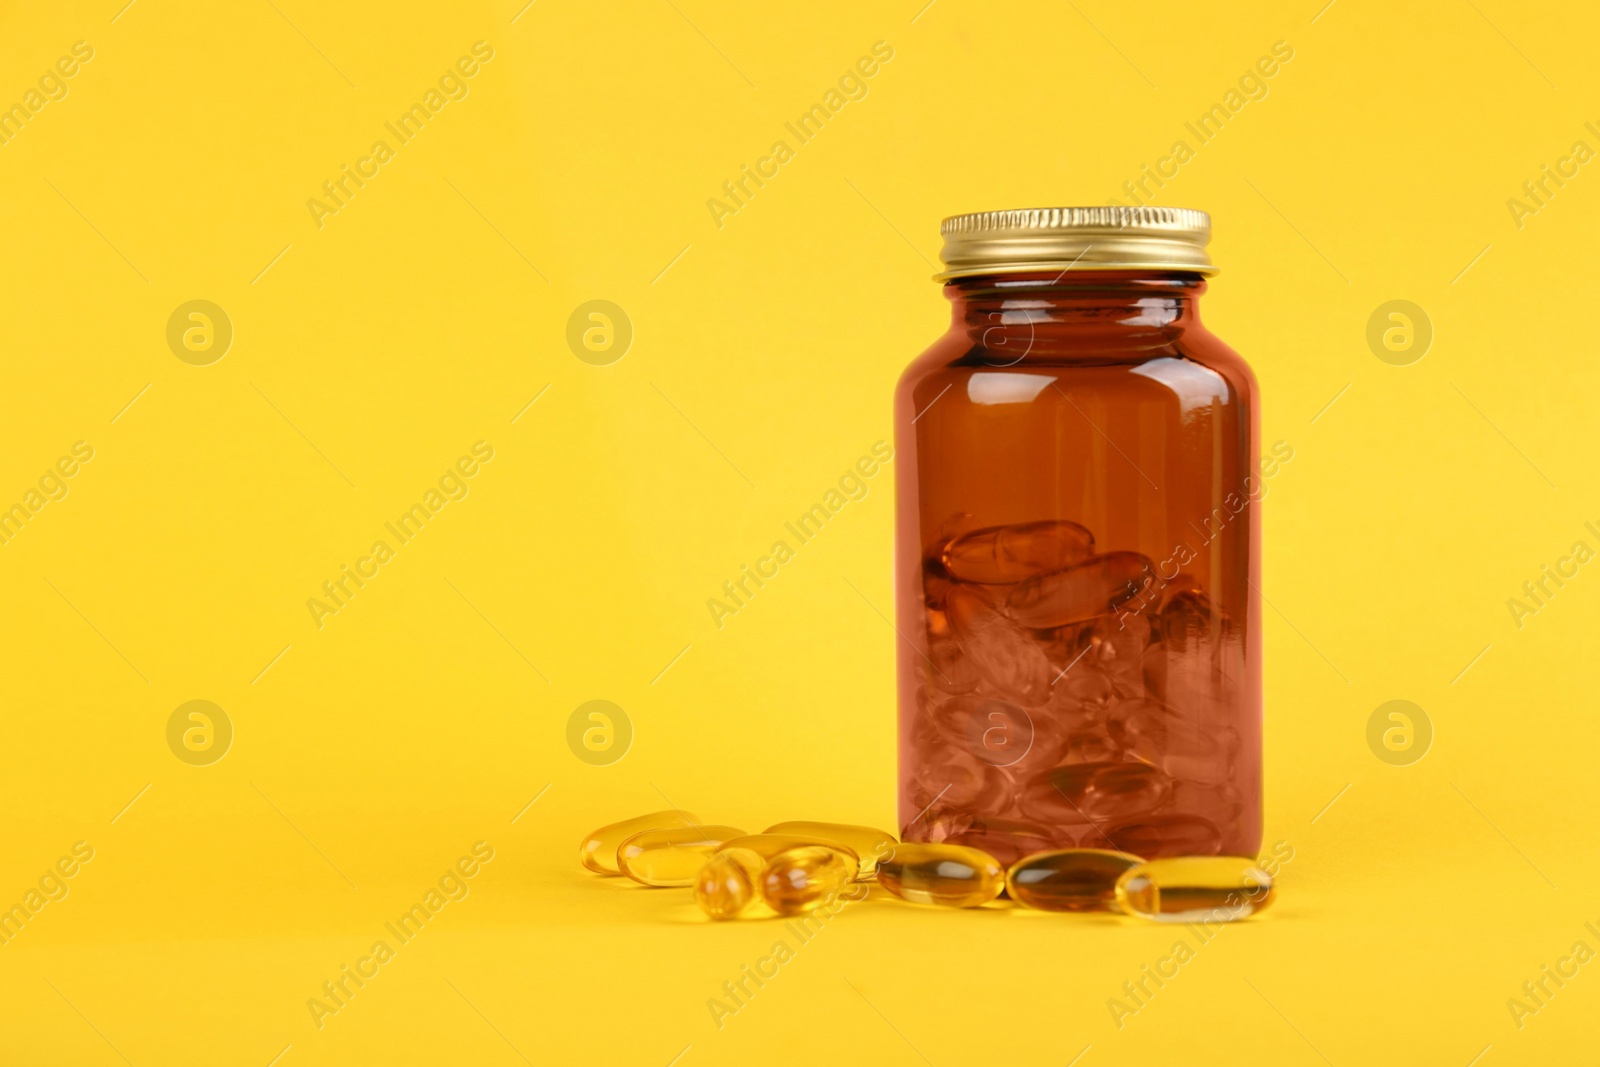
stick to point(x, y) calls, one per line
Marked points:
point(1078, 546)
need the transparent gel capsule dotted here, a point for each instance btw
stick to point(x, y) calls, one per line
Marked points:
point(1079, 879)
point(1117, 642)
point(671, 857)
point(1179, 747)
point(598, 851)
point(1153, 667)
point(1080, 687)
point(770, 845)
point(1127, 687)
point(866, 843)
point(800, 879)
point(1003, 653)
point(1001, 733)
point(923, 733)
point(1072, 779)
point(936, 825)
point(1097, 586)
point(1007, 840)
point(952, 875)
point(1091, 746)
point(727, 884)
point(1202, 681)
point(1041, 801)
point(1003, 554)
point(949, 715)
point(949, 669)
point(954, 777)
point(1129, 718)
point(1188, 619)
point(1124, 789)
point(1053, 732)
point(1199, 756)
point(1113, 790)
point(1188, 889)
point(1062, 645)
point(1168, 835)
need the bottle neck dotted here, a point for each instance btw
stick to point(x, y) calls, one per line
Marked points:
point(1086, 314)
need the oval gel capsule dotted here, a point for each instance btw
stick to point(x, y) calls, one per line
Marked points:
point(598, 852)
point(1046, 803)
point(1078, 879)
point(952, 875)
point(1007, 657)
point(1186, 750)
point(1007, 840)
point(867, 843)
point(1168, 835)
point(769, 845)
point(1097, 586)
point(727, 884)
point(1003, 554)
point(1195, 889)
point(800, 879)
point(671, 857)
point(1119, 790)
point(950, 775)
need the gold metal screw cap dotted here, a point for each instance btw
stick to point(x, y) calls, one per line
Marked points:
point(1076, 238)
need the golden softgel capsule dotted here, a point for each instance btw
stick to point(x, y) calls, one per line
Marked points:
point(1195, 889)
point(671, 857)
point(1078, 879)
point(598, 852)
point(770, 845)
point(728, 882)
point(952, 875)
point(867, 843)
point(800, 879)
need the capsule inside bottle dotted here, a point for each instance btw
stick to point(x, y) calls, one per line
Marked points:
point(673, 856)
point(1078, 879)
point(1097, 586)
point(1004, 654)
point(1187, 889)
point(1003, 554)
point(1179, 835)
point(955, 876)
point(1007, 840)
point(598, 851)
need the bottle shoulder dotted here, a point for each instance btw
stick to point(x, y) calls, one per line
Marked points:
point(1191, 353)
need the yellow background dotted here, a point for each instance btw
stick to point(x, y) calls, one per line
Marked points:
point(424, 716)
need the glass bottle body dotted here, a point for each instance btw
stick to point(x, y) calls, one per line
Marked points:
point(1077, 572)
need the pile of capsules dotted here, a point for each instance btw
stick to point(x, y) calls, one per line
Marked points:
point(1073, 695)
point(794, 867)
